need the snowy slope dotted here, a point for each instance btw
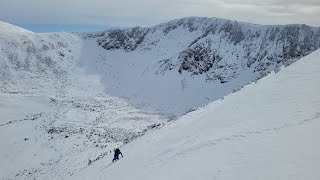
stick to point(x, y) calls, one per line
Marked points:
point(180, 65)
point(267, 130)
point(53, 116)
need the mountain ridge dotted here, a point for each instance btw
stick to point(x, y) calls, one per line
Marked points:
point(218, 51)
point(214, 56)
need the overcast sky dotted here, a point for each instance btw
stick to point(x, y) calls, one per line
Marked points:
point(150, 12)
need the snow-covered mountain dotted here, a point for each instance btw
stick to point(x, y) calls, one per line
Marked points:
point(171, 68)
point(180, 65)
point(67, 99)
point(267, 130)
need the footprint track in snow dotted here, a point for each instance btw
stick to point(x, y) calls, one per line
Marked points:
point(243, 135)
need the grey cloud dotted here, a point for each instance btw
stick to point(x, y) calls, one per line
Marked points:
point(275, 2)
point(151, 12)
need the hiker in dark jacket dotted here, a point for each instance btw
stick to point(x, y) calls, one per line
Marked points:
point(117, 152)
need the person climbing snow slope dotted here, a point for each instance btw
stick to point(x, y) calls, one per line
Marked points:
point(117, 152)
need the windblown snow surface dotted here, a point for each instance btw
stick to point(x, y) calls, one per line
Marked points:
point(267, 130)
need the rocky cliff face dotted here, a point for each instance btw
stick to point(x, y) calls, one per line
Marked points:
point(122, 39)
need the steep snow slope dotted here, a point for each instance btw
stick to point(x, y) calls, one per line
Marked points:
point(53, 116)
point(267, 130)
point(185, 63)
